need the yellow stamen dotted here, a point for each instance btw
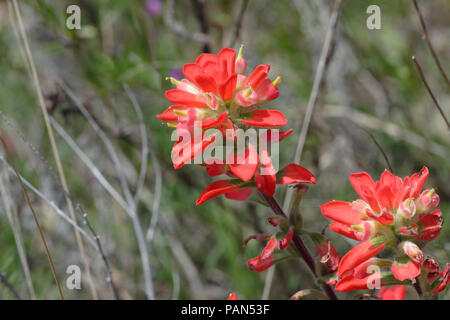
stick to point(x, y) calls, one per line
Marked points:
point(277, 81)
point(431, 193)
point(173, 80)
point(180, 112)
point(247, 92)
point(240, 52)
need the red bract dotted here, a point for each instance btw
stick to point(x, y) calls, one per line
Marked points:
point(217, 188)
point(392, 293)
point(392, 212)
point(444, 280)
point(265, 259)
point(350, 283)
point(361, 253)
point(239, 190)
point(232, 296)
point(327, 252)
point(430, 268)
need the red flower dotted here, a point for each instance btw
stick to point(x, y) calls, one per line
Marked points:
point(215, 189)
point(326, 250)
point(389, 209)
point(350, 283)
point(216, 93)
point(392, 293)
point(404, 268)
point(265, 259)
point(361, 253)
point(444, 280)
point(430, 225)
point(232, 296)
point(363, 270)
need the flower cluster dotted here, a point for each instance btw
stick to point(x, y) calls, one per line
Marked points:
point(393, 219)
point(217, 94)
point(391, 213)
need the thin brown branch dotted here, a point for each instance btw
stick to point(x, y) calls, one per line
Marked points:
point(239, 20)
point(7, 284)
point(436, 103)
point(179, 29)
point(199, 9)
point(430, 46)
point(381, 150)
point(418, 288)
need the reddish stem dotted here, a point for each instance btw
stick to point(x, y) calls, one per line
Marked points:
point(300, 246)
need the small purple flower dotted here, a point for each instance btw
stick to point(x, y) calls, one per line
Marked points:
point(154, 7)
point(176, 74)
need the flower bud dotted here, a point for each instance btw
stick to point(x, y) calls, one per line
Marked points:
point(407, 209)
point(430, 267)
point(241, 63)
point(274, 221)
point(283, 243)
point(412, 250)
point(154, 7)
point(427, 201)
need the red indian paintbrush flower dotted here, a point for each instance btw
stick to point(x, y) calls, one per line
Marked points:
point(392, 212)
point(217, 94)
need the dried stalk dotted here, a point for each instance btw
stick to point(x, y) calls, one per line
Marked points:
point(53, 145)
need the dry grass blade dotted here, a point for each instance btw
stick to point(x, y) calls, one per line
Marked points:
point(17, 232)
point(95, 242)
point(44, 242)
point(53, 144)
point(129, 207)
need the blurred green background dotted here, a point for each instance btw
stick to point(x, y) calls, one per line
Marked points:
point(195, 252)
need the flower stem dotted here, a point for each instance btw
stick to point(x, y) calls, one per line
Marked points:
point(418, 288)
point(300, 246)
